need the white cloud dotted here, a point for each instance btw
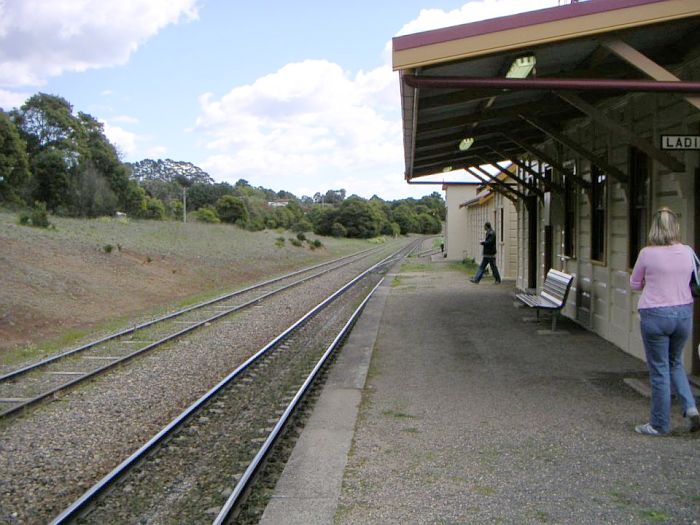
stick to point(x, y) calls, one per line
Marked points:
point(130, 145)
point(156, 152)
point(303, 126)
point(471, 12)
point(39, 39)
point(11, 99)
point(312, 126)
point(124, 140)
point(125, 119)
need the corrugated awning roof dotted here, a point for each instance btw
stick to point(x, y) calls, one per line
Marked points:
point(585, 52)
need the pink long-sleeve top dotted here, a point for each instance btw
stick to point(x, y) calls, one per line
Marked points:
point(663, 273)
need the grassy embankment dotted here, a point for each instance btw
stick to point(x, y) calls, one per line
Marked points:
point(80, 278)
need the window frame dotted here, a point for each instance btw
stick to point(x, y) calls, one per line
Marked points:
point(599, 194)
point(570, 211)
point(639, 202)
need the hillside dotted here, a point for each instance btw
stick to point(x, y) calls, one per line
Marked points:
point(57, 285)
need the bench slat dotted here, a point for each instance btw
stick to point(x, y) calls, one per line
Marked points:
point(554, 292)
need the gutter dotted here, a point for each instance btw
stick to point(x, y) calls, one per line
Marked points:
point(555, 84)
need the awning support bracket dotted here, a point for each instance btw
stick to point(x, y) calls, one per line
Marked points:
point(645, 65)
point(598, 116)
point(614, 172)
point(497, 185)
point(532, 150)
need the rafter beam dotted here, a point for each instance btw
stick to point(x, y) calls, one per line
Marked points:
point(646, 65)
point(529, 186)
point(614, 172)
point(488, 114)
point(499, 186)
point(458, 97)
point(598, 116)
point(543, 156)
point(557, 187)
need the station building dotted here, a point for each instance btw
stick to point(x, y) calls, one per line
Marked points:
point(597, 106)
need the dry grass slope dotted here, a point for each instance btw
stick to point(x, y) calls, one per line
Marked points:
point(57, 285)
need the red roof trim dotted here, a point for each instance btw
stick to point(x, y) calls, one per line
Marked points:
point(504, 23)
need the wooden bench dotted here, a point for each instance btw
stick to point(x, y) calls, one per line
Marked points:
point(552, 297)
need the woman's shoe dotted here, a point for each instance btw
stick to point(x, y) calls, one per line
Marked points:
point(647, 430)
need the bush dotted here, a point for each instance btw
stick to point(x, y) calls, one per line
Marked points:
point(155, 209)
point(37, 217)
point(296, 242)
point(232, 209)
point(108, 248)
point(301, 236)
point(207, 215)
point(301, 226)
point(317, 243)
point(279, 242)
point(338, 230)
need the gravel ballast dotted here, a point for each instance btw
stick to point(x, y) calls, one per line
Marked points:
point(52, 454)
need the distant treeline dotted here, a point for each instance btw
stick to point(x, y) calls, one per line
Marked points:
point(52, 158)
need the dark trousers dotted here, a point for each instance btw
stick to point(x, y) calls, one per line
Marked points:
point(487, 260)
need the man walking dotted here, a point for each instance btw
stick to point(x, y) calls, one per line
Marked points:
point(489, 256)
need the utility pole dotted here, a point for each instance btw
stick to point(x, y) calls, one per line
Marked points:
point(184, 204)
point(184, 183)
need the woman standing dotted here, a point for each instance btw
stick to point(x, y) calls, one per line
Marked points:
point(662, 272)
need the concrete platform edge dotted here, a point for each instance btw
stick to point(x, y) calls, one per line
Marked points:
point(310, 485)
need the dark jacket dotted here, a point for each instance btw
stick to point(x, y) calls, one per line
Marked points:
point(489, 243)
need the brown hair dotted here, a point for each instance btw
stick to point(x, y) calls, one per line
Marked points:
point(665, 229)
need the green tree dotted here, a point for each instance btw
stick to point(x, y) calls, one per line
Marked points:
point(360, 219)
point(102, 161)
point(232, 209)
point(436, 205)
point(407, 219)
point(154, 209)
point(72, 160)
point(135, 199)
point(429, 224)
point(46, 121)
point(323, 218)
point(92, 194)
point(52, 178)
point(207, 214)
point(338, 230)
point(14, 163)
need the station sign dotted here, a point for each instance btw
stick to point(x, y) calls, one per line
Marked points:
point(680, 142)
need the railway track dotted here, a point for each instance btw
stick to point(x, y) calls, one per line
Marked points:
point(29, 385)
point(200, 466)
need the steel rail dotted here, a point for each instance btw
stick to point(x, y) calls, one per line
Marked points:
point(92, 493)
point(246, 478)
point(172, 315)
point(170, 337)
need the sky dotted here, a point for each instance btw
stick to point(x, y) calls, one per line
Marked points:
point(297, 96)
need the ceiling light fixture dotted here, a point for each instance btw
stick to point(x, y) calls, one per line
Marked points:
point(466, 143)
point(521, 67)
point(446, 169)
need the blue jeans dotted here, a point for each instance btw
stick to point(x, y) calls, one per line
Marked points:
point(665, 331)
point(487, 260)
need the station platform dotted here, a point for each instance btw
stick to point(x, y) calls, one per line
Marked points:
point(447, 404)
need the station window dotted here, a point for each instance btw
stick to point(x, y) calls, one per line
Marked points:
point(639, 195)
point(598, 200)
point(570, 211)
point(547, 177)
